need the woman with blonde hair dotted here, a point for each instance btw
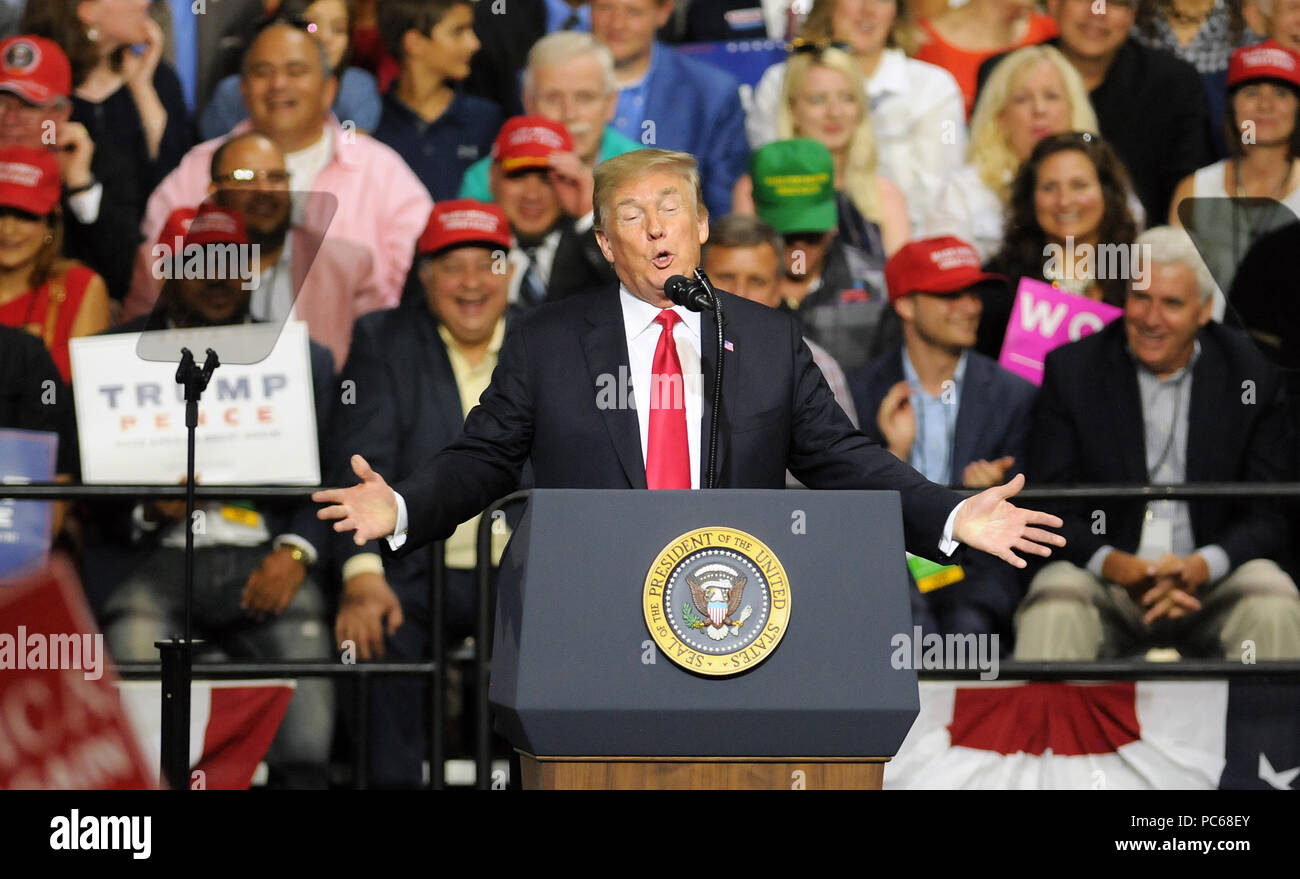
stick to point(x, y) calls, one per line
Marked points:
point(916, 108)
point(1032, 93)
point(824, 98)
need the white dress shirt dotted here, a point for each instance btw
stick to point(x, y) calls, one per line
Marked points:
point(642, 339)
point(518, 260)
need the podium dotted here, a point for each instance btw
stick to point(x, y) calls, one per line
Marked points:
point(689, 639)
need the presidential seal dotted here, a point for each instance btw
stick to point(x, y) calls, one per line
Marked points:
point(716, 601)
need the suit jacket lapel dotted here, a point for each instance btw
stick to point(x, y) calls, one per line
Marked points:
point(446, 393)
point(1121, 400)
point(1204, 418)
point(708, 366)
point(970, 424)
point(604, 344)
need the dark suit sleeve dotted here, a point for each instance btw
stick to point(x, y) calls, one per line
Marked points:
point(368, 425)
point(1053, 456)
point(827, 451)
point(1019, 397)
point(486, 460)
point(302, 514)
point(1260, 531)
point(108, 244)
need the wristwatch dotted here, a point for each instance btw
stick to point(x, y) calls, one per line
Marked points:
point(296, 552)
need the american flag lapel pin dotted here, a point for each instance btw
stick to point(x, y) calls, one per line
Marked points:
point(728, 346)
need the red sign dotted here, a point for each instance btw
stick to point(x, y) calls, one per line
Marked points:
point(61, 720)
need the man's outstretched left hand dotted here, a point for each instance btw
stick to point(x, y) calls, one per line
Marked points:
point(989, 522)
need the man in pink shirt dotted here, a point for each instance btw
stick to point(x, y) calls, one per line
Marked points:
point(381, 205)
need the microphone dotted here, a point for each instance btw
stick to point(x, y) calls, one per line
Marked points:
point(691, 294)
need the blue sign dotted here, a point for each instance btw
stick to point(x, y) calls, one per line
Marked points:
point(25, 456)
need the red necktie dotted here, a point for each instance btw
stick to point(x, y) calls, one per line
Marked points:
point(668, 454)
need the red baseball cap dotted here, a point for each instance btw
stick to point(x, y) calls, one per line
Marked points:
point(35, 69)
point(177, 225)
point(215, 225)
point(1266, 60)
point(464, 221)
point(934, 265)
point(29, 179)
point(528, 141)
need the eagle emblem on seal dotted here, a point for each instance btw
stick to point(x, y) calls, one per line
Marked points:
point(717, 591)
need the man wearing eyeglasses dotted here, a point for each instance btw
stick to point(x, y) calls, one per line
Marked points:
point(321, 286)
point(381, 206)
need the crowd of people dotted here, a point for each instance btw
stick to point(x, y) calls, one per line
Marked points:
point(419, 176)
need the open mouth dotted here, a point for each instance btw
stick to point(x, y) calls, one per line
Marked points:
point(662, 260)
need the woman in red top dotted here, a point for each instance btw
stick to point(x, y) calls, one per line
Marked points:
point(961, 39)
point(54, 299)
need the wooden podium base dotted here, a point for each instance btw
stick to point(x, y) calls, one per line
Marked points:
point(701, 773)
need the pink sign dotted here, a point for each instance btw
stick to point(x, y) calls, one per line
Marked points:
point(1044, 318)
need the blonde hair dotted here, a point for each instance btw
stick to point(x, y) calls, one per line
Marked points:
point(990, 150)
point(613, 173)
point(903, 33)
point(859, 174)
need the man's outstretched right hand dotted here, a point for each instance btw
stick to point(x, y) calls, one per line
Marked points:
point(368, 508)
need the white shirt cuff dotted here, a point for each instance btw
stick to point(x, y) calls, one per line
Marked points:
point(947, 545)
point(1216, 557)
point(1098, 559)
point(398, 537)
point(86, 204)
point(362, 563)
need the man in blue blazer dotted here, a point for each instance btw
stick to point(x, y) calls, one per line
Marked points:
point(950, 412)
point(416, 370)
point(670, 100)
point(550, 401)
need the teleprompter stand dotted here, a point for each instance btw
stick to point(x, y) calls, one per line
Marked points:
point(178, 654)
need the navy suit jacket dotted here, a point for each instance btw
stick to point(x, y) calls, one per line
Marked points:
point(696, 108)
point(1088, 428)
point(407, 405)
point(992, 421)
point(555, 371)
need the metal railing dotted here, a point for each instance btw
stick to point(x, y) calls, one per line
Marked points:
point(363, 672)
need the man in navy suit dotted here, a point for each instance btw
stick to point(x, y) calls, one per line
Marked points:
point(670, 100)
point(1164, 395)
point(549, 401)
point(418, 369)
point(950, 412)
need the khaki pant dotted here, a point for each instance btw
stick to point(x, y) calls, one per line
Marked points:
point(1071, 615)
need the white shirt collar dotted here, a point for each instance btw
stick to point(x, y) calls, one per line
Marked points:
point(890, 77)
point(639, 315)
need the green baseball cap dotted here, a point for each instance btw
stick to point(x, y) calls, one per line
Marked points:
point(794, 186)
